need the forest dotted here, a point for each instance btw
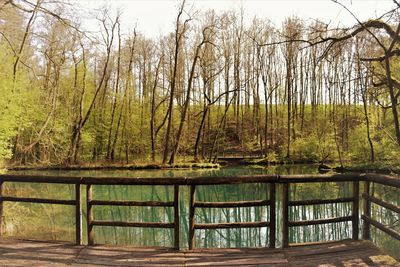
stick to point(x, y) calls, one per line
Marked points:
point(303, 91)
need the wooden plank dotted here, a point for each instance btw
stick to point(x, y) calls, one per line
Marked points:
point(320, 221)
point(382, 203)
point(230, 225)
point(325, 244)
point(272, 215)
point(133, 224)
point(285, 215)
point(191, 217)
point(39, 200)
point(320, 201)
point(237, 262)
point(78, 214)
point(356, 209)
point(343, 253)
point(89, 212)
point(382, 227)
point(367, 210)
point(176, 217)
point(233, 204)
point(132, 203)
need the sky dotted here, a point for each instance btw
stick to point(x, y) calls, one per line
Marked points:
point(156, 17)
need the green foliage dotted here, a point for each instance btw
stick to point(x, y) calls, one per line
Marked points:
point(272, 157)
point(11, 102)
point(39, 128)
point(306, 148)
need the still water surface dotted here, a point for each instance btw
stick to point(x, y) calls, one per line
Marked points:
point(56, 222)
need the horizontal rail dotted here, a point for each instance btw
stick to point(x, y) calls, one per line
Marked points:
point(378, 178)
point(39, 200)
point(234, 204)
point(319, 201)
point(382, 203)
point(133, 224)
point(231, 225)
point(324, 178)
point(198, 180)
point(134, 181)
point(320, 221)
point(383, 179)
point(382, 227)
point(132, 203)
point(40, 179)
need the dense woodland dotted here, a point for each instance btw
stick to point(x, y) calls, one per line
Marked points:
point(300, 91)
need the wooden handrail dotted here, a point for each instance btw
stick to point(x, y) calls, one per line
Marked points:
point(382, 203)
point(382, 227)
point(286, 203)
point(233, 204)
point(130, 203)
point(193, 204)
point(312, 178)
point(320, 201)
point(271, 180)
point(90, 203)
point(320, 221)
point(368, 199)
point(383, 179)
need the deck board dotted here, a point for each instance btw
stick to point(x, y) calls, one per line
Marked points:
point(342, 253)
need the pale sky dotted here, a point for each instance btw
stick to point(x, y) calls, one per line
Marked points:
point(156, 17)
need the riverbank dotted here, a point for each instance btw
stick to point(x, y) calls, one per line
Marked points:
point(383, 167)
point(359, 167)
point(380, 167)
point(150, 166)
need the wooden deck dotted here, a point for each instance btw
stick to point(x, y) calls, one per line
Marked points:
point(37, 253)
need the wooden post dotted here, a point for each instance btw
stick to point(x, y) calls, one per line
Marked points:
point(272, 215)
point(367, 211)
point(285, 215)
point(191, 217)
point(89, 196)
point(1, 208)
point(176, 217)
point(356, 206)
point(78, 214)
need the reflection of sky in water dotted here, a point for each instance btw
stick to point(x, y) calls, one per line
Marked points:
point(223, 171)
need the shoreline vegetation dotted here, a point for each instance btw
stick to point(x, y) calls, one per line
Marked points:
point(149, 166)
point(378, 167)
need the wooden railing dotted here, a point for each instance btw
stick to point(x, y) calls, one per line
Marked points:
point(43, 179)
point(270, 180)
point(287, 203)
point(368, 199)
point(237, 204)
point(92, 222)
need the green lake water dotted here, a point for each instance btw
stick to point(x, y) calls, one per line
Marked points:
point(56, 222)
